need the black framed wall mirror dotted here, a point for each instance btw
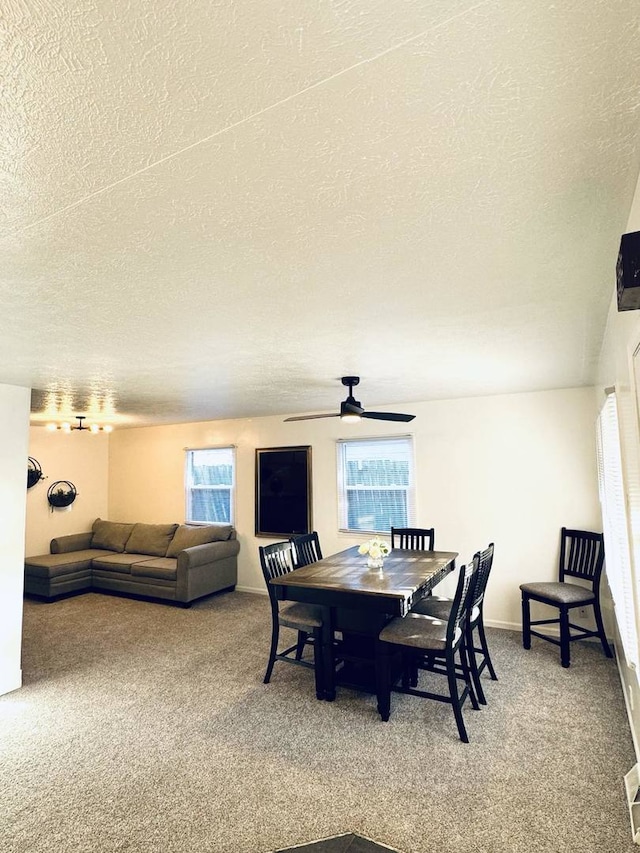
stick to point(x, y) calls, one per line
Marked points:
point(283, 491)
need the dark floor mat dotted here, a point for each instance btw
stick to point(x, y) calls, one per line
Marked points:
point(340, 844)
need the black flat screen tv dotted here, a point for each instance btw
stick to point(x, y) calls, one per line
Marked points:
point(283, 491)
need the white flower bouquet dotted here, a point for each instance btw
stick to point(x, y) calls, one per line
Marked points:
point(377, 549)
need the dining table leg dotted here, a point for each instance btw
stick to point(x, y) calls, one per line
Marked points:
point(328, 655)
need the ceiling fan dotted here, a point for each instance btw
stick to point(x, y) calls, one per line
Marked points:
point(351, 410)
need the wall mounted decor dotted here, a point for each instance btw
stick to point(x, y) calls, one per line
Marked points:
point(61, 494)
point(34, 472)
point(283, 491)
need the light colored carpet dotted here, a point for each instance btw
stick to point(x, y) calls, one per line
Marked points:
point(143, 727)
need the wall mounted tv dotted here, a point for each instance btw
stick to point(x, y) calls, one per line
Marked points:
point(283, 491)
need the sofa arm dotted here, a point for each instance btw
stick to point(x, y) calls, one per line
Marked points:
point(204, 569)
point(211, 552)
point(72, 542)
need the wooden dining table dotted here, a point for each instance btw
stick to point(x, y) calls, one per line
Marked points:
point(358, 602)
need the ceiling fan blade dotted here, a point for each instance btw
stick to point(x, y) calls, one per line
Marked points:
point(348, 408)
point(310, 417)
point(387, 416)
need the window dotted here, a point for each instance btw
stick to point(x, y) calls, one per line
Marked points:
point(210, 485)
point(615, 524)
point(375, 484)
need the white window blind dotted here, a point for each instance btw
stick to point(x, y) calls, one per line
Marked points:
point(376, 484)
point(616, 532)
point(210, 485)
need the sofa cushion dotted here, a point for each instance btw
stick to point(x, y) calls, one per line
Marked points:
point(52, 565)
point(111, 535)
point(118, 562)
point(188, 535)
point(152, 539)
point(165, 568)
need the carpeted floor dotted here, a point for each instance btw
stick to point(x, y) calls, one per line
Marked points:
point(144, 727)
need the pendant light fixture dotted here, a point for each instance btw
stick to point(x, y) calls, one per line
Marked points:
point(65, 426)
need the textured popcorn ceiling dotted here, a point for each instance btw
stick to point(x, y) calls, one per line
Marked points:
point(216, 208)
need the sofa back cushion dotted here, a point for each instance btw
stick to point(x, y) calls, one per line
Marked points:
point(152, 539)
point(187, 535)
point(110, 535)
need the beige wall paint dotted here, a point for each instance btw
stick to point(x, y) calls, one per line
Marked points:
point(14, 437)
point(512, 469)
point(83, 459)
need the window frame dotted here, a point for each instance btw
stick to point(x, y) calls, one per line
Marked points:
point(410, 490)
point(189, 487)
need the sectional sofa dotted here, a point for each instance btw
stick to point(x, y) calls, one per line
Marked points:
point(173, 562)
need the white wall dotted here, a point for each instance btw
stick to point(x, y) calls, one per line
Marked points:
point(81, 458)
point(512, 469)
point(621, 339)
point(14, 436)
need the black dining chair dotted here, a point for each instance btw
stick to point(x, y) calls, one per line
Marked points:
point(306, 549)
point(277, 560)
point(413, 538)
point(440, 607)
point(581, 557)
point(433, 644)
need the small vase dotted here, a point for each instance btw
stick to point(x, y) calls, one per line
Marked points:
point(375, 562)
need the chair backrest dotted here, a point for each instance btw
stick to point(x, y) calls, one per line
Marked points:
point(581, 555)
point(275, 560)
point(306, 549)
point(485, 561)
point(462, 601)
point(413, 538)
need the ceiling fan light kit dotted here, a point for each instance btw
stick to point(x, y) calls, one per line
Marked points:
point(351, 410)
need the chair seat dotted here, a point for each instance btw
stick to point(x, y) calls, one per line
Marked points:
point(440, 608)
point(559, 593)
point(301, 617)
point(417, 631)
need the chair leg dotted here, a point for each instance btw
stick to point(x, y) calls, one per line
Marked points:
point(275, 631)
point(601, 632)
point(318, 662)
point(302, 640)
point(455, 696)
point(565, 638)
point(407, 675)
point(473, 665)
point(526, 622)
point(383, 680)
point(410, 671)
point(485, 649)
point(468, 676)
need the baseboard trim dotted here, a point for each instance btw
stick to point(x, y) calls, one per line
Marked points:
point(551, 632)
point(506, 626)
point(255, 590)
